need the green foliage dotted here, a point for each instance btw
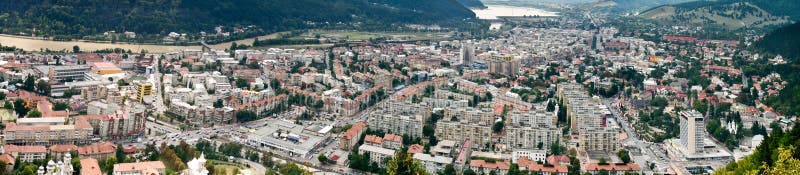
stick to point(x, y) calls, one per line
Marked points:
point(20, 108)
point(231, 149)
point(659, 102)
point(402, 164)
point(245, 116)
point(153, 18)
point(623, 154)
point(775, 155)
point(60, 106)
point(34, 114)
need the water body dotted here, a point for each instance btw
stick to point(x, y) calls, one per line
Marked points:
point(495, 11)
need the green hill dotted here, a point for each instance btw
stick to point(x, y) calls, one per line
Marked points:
point(91, 17)
point(723, 14)
point(784, 41)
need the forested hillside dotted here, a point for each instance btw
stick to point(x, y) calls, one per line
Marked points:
point(784, 41)
point(75, 18)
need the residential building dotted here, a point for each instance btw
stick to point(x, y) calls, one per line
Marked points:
point(99, 151)
point(604, 139)
point(432, 164)
point(692, 131)
point(533, 155)
point(376, 154)
point(534, 167)
point(613, 168)
point(397, 124)
point(484, 167)
point(26, 153)
point(505, 65)
point(351, 136)
point(48, 134)
point(392, 141)
point(143, 89)
point(121, 125)
point(479, 135)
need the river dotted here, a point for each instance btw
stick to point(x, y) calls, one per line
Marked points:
point(30, 44)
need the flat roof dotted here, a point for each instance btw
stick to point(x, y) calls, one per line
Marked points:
point(274, 134)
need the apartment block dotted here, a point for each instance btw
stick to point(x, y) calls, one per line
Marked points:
point(479, 135)
point(603, 139)
point(31, 131)
point(397, 124)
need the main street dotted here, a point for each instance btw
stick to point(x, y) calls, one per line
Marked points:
point(634, 140)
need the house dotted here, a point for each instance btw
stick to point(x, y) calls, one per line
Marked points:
point(392, 141)
point(614, 168)
point(26, 153)
point(100, 151)
point(59, 150)
point(486, 167)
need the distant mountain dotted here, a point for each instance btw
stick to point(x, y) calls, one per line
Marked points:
point(639, 5)
point(92, 17)
point(472, 4)
point(724, 14)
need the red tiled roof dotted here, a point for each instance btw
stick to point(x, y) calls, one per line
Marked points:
point(415, 148)
point(63, 148)
point(89, 166)
point(355, 129)
point(24, 149)
point(392, 137)
point(613, 167)
point(483, 164)
point(99, 148)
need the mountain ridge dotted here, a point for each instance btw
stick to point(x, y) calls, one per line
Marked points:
point(79, 18)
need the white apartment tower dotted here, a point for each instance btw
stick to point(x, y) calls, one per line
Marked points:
point(692, 134)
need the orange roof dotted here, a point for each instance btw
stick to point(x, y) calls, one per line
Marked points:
point(8, 159)
point(24, 149)
point(355, 129)
point(415, 148)
point(63, 148)
point(99, 148)
point(533, 166)
point(613, 167)
point(483, 164)
point(139, 166)
point(392, 137)
point(89, 166)
point(373, 139)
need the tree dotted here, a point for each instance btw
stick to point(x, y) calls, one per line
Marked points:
point(402, 164)
point(60, 106)
point(29, 83)
point(469, 172)
point(323, 159)
point(498, 127)
point(246, 116)
point(119, 154)
point(218, 103)
point(449, 170)
point(43, 87)
point(2, 96)
point(20, 108)
point(623, 154)
point(76, 49)
point(34, 114)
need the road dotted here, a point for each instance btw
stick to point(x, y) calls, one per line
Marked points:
point(633, 140)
